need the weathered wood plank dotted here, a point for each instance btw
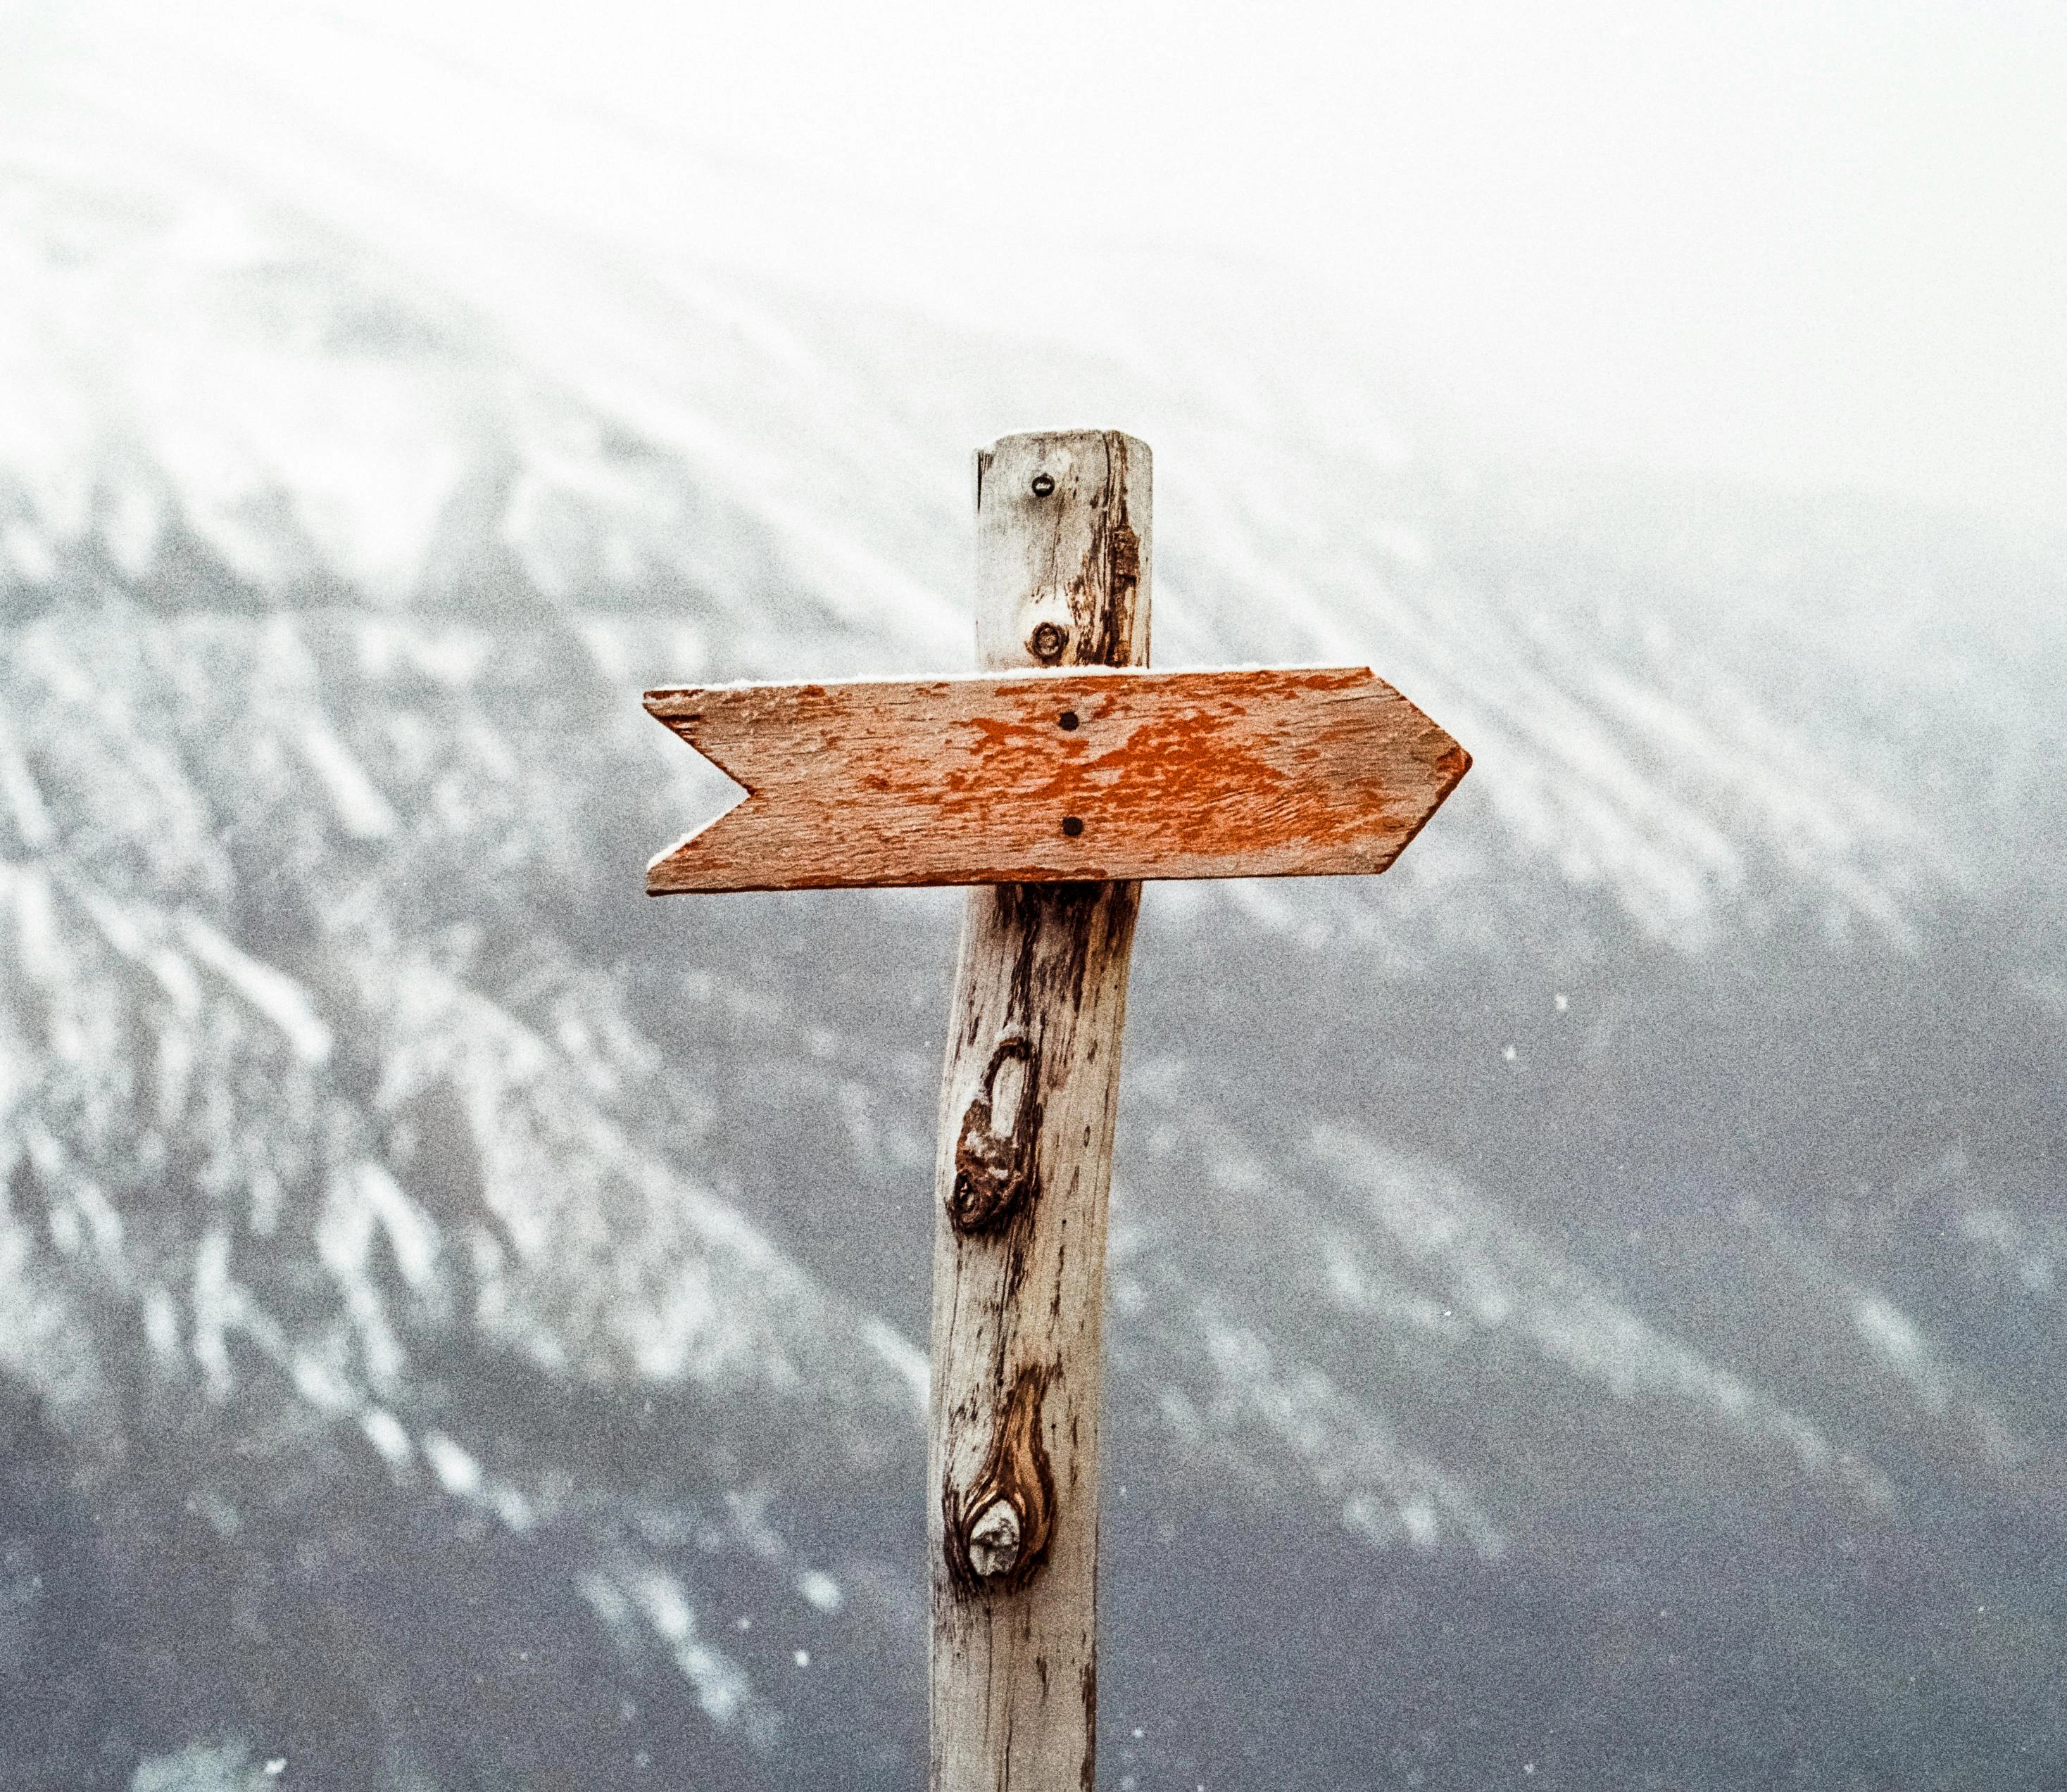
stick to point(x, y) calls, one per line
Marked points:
point(1028, 1099)
point(1277, 772)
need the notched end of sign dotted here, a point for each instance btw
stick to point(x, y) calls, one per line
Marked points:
point(678, 869)
point(705, 785)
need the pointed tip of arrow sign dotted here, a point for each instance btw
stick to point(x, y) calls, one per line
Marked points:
point(1448, 771)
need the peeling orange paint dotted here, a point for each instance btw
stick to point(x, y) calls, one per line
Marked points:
point(1273, 773)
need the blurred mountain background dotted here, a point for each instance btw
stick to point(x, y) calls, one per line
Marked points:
point(1586, 1309)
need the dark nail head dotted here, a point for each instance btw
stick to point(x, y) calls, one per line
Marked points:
point(1042, 485)
point(1069, 718)
point(1073, 826)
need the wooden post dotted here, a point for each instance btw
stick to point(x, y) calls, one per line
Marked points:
point(1028, 1100)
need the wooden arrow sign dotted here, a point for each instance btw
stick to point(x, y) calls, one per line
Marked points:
point(1055, 783)
point(1042, 776)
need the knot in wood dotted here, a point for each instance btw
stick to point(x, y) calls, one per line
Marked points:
point(994, 1154)
point(996, 1533)
point(993, 1540)
point(1123, 551)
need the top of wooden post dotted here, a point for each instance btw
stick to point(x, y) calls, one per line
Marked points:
point(1061, 538)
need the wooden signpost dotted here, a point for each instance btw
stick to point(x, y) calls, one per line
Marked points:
point(1053, 784)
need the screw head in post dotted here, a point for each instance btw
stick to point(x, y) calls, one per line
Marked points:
point(1043, 485)
point(1047, 642)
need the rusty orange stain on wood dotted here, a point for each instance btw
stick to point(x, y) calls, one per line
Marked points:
point(1273, 773)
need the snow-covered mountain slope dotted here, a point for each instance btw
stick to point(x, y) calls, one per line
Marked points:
point(328, 346)
point(1587, 1299)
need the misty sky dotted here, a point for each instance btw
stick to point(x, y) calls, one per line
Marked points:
point(1820, 247)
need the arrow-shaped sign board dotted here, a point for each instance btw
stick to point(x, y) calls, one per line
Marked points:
point(1043, 776)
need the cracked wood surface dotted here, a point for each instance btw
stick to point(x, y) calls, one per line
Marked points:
point(1058, 776)
point(1027, 1104)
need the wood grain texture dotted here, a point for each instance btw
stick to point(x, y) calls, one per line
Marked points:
point(1058, 776)
point(1028, 1098)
